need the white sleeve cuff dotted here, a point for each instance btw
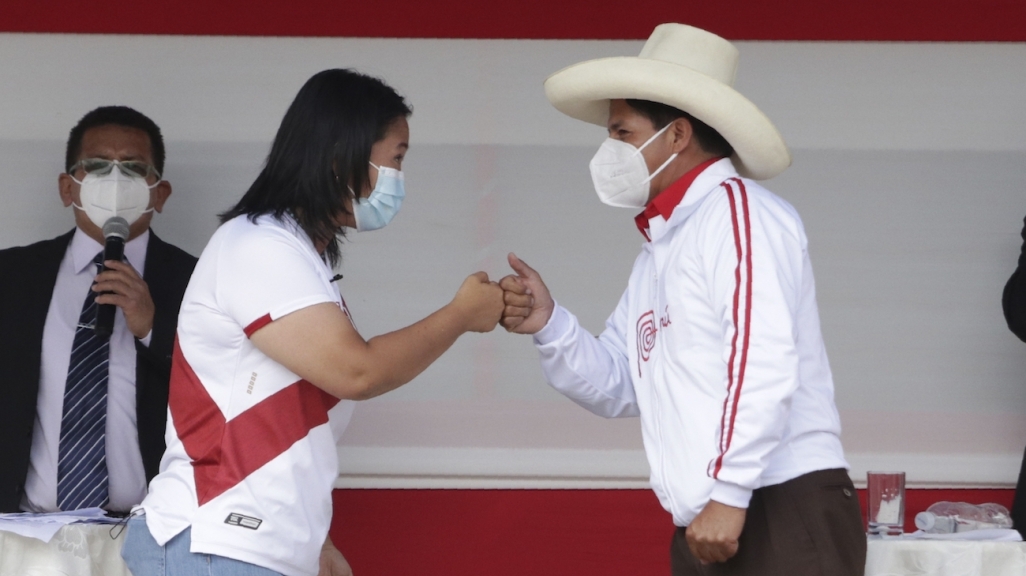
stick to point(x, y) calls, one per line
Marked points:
point(731, 494)
point(557, 326)
point(145, 341)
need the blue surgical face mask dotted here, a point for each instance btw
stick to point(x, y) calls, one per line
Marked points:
point(378, 209)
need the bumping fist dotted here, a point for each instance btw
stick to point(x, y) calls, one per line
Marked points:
point(480, 303)
point(528, 304)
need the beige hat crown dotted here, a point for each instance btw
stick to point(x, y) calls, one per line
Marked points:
point(693, 48)
point(689, 69)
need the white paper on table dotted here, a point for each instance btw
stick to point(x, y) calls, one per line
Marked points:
point(992, 534)
point(44, 526)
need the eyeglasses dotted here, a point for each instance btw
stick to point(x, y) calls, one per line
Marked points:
point(102, 167)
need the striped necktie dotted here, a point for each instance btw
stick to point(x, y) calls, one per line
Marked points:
point(82, 455)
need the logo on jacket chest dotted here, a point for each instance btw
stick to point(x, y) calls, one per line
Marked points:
point(646, 333)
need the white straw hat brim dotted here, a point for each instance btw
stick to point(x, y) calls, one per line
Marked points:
point(583, 91)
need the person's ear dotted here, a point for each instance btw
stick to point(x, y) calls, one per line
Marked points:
point(680, 134)
point(66, 188)
point(160, 193)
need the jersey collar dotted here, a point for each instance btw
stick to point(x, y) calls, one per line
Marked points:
point(667, 200)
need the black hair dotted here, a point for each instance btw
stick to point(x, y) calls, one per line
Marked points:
point(321, 153)
point(661, 114)
point(117, 116)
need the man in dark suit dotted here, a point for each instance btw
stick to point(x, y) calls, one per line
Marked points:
point(118, 408)
point(1013, 302)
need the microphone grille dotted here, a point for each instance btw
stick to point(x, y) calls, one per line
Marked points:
point(116, 226)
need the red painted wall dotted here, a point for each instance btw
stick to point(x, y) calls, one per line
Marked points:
point(502, 532)
point(536, 532)
point(900, 20)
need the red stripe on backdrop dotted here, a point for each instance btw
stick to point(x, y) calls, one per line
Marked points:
point(517, 532)
point(899, 20)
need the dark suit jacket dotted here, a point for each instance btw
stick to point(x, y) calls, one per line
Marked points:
point(1013, 302)
point(27, 277)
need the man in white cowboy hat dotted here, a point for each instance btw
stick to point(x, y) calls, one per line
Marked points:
point(716, 342)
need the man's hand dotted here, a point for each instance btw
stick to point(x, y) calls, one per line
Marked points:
point(528, 302)
point(712, 536)
point(332, 561)
point(130, 293)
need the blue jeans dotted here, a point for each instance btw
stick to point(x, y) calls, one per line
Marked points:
point(147, 558)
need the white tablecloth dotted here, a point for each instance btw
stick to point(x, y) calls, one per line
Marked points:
point(76, 550)
point(89, 550)
point(945, 558)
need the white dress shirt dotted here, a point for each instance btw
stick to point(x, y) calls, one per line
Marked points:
point(127, 478)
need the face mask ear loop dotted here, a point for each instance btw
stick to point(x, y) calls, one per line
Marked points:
point(660, 169)
point(649, 141)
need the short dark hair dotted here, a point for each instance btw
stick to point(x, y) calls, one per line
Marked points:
point(117, 116)
point(662, 114)
point(321, 153)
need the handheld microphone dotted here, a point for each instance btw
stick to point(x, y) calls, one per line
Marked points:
point(115, 230)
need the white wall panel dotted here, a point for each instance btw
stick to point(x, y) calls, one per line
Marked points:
point(909, 174)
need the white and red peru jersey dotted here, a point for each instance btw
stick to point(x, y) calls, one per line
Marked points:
point(715, 343)
point(251, 454)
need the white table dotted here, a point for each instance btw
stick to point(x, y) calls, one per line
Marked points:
point(89, 550)
point(945, 558)
point(76, 550)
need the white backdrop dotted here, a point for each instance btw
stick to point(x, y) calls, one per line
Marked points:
point(909, 173)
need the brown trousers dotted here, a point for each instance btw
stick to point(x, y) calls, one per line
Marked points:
point(808, 526)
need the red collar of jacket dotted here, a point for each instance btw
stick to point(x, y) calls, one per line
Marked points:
point(667, 200)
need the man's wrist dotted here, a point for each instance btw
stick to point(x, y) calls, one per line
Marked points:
point(730, 494)
point(555, 327)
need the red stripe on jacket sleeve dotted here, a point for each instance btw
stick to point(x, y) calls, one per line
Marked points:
point(744, 258)
point(256, 325)
point(733, 343)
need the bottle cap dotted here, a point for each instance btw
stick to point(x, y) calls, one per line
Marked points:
point(925, 521)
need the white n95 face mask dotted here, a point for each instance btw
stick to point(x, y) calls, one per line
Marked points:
point(620, 175)
point(378, 209)
point(114, 194)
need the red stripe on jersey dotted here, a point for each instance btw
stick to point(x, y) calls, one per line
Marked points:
point(197, 420)
point(734, 392)
point(256, 325)
point(225, 453)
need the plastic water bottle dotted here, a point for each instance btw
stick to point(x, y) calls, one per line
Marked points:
point(948, 517)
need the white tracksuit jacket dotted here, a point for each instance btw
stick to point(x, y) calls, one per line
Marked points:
point(716, 345)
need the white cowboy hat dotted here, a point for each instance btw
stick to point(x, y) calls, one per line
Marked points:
point(684, 67)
